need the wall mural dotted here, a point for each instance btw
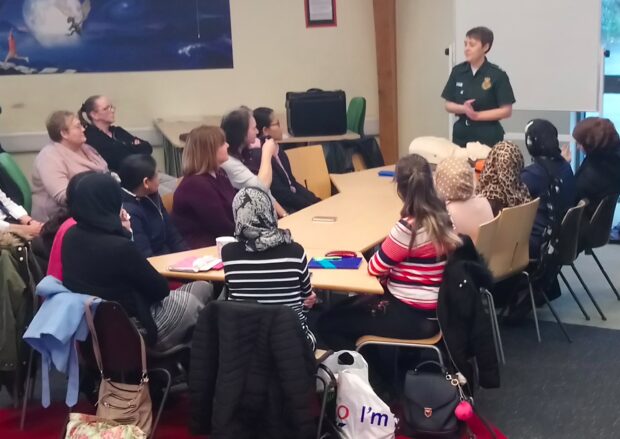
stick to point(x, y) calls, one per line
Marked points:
point(68, 36)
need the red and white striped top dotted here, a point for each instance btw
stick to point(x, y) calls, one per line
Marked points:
point(413, 276)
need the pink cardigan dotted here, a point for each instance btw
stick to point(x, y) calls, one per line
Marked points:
point(53, 168)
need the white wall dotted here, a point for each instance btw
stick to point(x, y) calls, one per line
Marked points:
point(273, 53)
point(424, 28)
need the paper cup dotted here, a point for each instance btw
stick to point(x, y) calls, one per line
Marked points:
point(221, 242)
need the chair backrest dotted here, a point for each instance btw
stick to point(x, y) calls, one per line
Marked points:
point(18, 177)
point(119, 341)
point(486, 235)
point(510, 252)
point(600, 223)
point(168, 201)
point(310, 169)
point(568, 239)
point(356, 113)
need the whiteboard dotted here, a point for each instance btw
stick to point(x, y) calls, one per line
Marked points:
point(550, 49)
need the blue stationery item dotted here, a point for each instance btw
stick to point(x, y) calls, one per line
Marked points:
point(386, 173)
point(335, 264)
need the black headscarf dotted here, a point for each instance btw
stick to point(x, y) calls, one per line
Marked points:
point(541, 139)
point(95, 203)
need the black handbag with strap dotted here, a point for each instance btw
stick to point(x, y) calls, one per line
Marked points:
point(430, 401)
point(316, 112)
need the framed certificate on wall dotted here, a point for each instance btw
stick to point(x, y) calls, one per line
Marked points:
point(320, 13)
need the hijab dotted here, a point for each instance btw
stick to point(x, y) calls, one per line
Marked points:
point(256, 224)
point(454, 179)
point(95, 203)
point(501, 177)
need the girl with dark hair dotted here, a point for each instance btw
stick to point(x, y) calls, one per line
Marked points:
point(548, 169)
point(99, 258)
point(284, 187)
point(153, 231)
point(410, 263)
point(240, 129)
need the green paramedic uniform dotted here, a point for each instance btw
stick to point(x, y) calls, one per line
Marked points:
point(491, 89)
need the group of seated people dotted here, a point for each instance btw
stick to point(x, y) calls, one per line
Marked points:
point(237, 181)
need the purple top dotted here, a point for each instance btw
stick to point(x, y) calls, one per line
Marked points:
point(202, 208)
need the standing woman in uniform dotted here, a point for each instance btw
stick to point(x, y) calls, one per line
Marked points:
point(478, 93)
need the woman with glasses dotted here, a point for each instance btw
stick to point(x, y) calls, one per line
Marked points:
point(114, 143)
point(284, 187)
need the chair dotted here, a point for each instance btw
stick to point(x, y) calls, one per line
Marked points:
point(168, 200)
point(15, 173)
point(568, 244)
point(424, 343)
point(120, 360)
point(509, 253)
point(356, 114)
point(484, 245)
point(309, 167)
point(595, 233)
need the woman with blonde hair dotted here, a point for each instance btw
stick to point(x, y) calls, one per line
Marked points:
point(202, 205)
point(410, 264)
point(454, 180)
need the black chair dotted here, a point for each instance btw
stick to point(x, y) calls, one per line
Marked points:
point(119, 342)
point(568, 250)
point(595, 233)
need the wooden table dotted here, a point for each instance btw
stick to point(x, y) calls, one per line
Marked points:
point(358, 281)
point(171, 129)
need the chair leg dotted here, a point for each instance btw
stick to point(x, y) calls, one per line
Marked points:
point(583, 311)
point(529, 284)
point(557, 317)
point(605, 274)
point(497, 340)
point(163, 399)
point(585, 287)
point(27, 389)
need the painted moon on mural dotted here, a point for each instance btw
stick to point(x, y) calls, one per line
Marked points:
point(54, 22)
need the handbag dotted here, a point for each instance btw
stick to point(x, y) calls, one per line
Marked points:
point(81, 426)
point(430, 400)
point(127, 404)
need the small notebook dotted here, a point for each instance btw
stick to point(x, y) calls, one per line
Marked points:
point(335, 264)
point(197, 264)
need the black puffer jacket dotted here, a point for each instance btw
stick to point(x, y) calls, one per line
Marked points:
point(251, 374)
point(465, 323)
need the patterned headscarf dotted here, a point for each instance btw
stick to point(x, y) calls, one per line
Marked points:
point(454, 179)
point(501, 177)
point(256, 223)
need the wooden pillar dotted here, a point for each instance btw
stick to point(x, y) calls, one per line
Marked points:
point(385, 42)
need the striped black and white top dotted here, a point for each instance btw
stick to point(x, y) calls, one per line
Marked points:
point(277, 276)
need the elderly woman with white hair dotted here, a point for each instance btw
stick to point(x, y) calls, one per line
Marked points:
point(455, 184)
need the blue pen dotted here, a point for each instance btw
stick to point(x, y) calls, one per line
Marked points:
point(386, 173)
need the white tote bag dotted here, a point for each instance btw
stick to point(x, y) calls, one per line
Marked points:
point(360, 413)
point(341, 360)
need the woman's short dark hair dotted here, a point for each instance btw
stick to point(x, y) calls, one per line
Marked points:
point(263, 118)
point(135, 168)
point(236, 125)
point(482, 34)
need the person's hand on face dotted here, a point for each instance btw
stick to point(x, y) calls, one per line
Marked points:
point(270, 147)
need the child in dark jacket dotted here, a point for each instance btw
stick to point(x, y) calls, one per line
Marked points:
point(153, 231)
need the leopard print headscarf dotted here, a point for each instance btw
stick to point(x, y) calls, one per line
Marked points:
point(501, 177)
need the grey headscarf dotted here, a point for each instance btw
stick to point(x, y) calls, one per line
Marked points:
point(256, 223)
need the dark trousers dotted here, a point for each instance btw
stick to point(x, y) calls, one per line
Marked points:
point(383, 316)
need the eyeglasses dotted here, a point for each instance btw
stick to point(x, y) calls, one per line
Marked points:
point(109, 108)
